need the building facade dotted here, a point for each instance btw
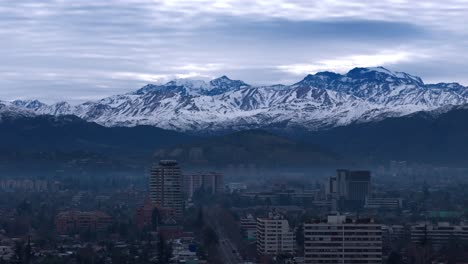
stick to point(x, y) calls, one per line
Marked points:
point(438, 234)
point(342, 240)
point(248, 225)
point(274, 236)
point(383, 203)
point(77, 221)
point(165, 189)
point(211, 182)
point(144, 214)
point(350, 188)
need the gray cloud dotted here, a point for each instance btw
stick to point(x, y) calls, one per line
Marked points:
point(81, 50)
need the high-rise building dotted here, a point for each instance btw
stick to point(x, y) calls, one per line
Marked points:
point(165, 188)
point(274, 236)
point(342, 240)
point(211, 182)
point(354, 185)
point(350, 187)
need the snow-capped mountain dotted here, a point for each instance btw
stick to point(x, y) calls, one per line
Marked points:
point(322, 100)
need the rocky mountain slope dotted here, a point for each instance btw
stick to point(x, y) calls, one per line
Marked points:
point(320, 101)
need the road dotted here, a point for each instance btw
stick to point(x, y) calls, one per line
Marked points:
point(228, 250)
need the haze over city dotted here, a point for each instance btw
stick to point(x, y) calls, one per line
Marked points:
point(233, 132)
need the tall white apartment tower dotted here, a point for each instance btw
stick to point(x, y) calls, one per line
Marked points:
point(274, 236)
point(343, 240)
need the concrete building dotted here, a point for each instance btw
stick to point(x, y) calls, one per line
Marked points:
point(342, 240)
point(349, 187)
point(165, 189)
point(248, 225)
point(75, 221)
point(211, 182)
point(438, 234)
point(274, 236)
point(383, 203)
point(144, 214)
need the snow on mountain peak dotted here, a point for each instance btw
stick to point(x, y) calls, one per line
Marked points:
point(321, 100)
point(383, 74)
point(189, 83)
point(29, 104)
point(223, 84)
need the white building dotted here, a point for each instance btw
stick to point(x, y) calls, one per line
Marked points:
point(249, 227)
point(274, 236)
point(438, 234)
point(343, 240)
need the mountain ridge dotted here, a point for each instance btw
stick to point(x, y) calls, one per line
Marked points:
point(320, 101)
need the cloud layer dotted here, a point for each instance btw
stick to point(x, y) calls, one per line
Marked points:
point(82, 50)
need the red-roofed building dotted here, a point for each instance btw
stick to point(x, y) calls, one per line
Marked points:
point(75, 221)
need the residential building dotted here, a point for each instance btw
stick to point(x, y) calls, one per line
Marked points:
point(75, 221)
point(211, 182)
point(274, 236)
point(383, 203)
point(342, 240)
point(165, 189)
point(248, 225)
point(438, 234)
point(144, 214)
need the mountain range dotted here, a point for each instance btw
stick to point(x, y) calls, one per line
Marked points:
point(318, 102)
point(438, 137)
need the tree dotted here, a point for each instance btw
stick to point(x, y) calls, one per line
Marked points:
point(164, 251)
point(19, 248)
point(155, 219)
point(200, 220)
point(300, 236)
point(27, 252)
point(394, 258)
point(209, 236)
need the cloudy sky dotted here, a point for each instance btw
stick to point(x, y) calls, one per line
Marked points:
point(78, 50)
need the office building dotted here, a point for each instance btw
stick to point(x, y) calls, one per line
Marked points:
point(165, 189)
point(342, 240)
point(350, 188)
point(274, 236)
